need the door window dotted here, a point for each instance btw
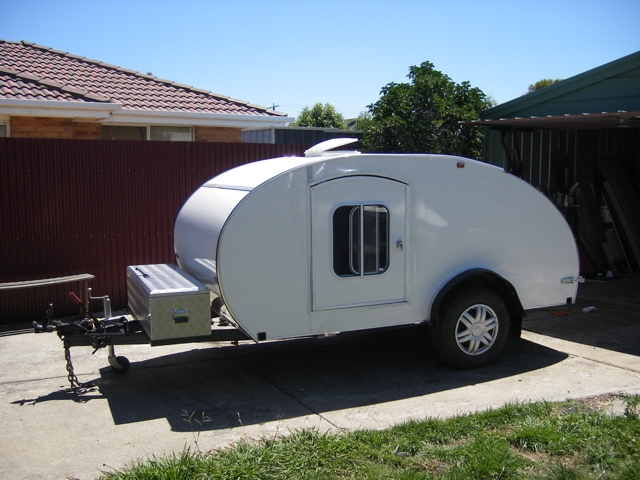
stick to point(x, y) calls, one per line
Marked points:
point(360, 240)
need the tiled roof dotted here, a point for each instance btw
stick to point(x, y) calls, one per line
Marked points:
point(33, 72)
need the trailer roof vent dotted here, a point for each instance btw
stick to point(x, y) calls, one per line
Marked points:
point(322, 149)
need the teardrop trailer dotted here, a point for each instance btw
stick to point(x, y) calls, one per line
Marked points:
point(342, 241)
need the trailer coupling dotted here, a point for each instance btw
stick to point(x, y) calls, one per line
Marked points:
point(88, 330)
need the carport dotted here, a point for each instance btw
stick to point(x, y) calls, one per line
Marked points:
point(578, 141)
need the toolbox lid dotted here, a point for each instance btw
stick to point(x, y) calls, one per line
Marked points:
point(165, 278)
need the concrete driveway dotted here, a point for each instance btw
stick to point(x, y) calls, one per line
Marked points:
point(206, 396)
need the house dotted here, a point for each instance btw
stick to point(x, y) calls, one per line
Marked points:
point(578, 141)
point(48, 93)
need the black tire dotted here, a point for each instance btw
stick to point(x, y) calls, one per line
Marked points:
point(216, 305)
point(123, 365)
point(472, 329)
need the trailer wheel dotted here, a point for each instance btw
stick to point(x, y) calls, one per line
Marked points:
point(472, 329)
point(120, 366)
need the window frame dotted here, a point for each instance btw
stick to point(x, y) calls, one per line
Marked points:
point(183, 129)
point(356, 237)
point(148, 129)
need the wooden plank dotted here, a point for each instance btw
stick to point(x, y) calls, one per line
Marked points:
point(46, 281)
point(629, 244)
point(591, 231)
point(623, 202)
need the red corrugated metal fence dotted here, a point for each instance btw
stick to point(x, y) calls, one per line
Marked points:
point(73, 206)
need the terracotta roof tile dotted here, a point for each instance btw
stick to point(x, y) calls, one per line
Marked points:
point(30, 71)
point(15, 87)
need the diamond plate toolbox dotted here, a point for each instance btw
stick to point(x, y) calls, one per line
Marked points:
point(168, 303)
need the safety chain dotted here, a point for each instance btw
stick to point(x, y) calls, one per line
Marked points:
point(76, 386)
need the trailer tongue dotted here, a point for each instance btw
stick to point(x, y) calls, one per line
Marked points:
point(109, 332)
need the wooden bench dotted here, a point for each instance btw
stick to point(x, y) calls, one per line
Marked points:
point(81, 277)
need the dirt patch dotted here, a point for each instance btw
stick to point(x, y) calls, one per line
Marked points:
point(611, 403)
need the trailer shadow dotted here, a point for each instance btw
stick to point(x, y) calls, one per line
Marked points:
point(610, 322)
point(606, 328)
point(230, 386)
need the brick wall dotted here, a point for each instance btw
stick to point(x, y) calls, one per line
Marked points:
point(87, 131)
point(218, 134)
point(53, 127)
point(41, 127)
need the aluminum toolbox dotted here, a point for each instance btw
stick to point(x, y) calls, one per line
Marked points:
point(168, 303)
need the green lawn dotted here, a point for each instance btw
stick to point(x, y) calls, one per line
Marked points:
point(567, 440)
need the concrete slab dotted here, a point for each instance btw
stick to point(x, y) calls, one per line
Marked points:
point(205, 396)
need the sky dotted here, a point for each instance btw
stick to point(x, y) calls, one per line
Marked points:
point(294, 54)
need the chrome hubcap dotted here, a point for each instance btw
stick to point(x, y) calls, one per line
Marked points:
point(476, 329)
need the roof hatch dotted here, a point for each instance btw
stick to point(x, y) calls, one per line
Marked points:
point(322, 149)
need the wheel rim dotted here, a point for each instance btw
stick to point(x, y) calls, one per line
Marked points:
point(476, 329)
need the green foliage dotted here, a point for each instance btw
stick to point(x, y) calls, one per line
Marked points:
point(569, 440)
point(320, 115)
point(632, 406)
point(486, 456)
point(425, 114)
point(491, 102)
point(540, 84)
point(363, 120)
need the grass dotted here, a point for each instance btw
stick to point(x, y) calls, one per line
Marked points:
point(568, 440)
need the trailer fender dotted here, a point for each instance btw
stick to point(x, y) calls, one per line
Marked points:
point(480, 278)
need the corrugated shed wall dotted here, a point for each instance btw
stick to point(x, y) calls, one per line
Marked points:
point(556, 159)
point(605, 165)
point(73, 206)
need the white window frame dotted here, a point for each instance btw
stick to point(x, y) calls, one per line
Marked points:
point(357, 240)
point(168, 127)
point(4, 126)
point(147, 129)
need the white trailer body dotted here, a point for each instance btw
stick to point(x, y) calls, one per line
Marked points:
point(317, 245)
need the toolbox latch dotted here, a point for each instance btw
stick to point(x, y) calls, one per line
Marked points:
point(180, 315)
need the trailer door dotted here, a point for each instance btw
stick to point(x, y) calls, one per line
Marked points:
point(358, 242)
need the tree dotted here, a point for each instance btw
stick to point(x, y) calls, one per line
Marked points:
point(540, 84)
point(424, 116)
point(320, 116)
point(362, 122)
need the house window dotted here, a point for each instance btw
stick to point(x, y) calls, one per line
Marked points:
point(360, 240)
point(3, 131)
point(159, 133)
point(118, 132)
point(171, 134)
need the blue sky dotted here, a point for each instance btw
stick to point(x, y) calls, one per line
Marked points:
point(296, 53)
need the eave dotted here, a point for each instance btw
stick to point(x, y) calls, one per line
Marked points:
point(154, 117)
point(565, 122)
point(116, 114)
point(48, 108)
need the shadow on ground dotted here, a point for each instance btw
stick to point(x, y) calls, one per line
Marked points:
point(253, 384)
point(226, 386)
point(612, 325)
